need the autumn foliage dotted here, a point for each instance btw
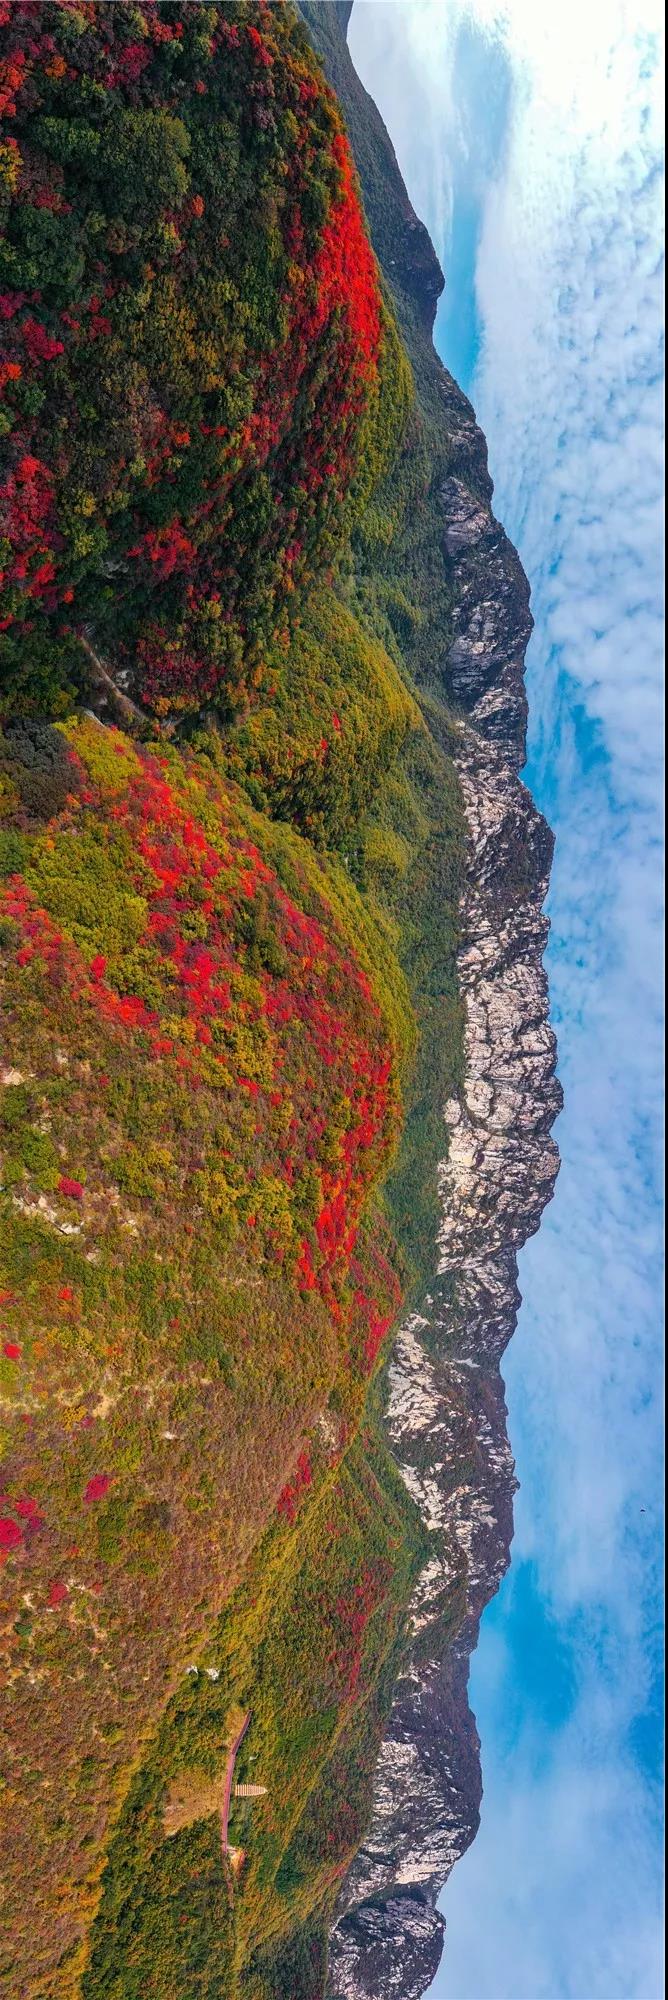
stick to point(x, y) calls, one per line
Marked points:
point(191, 328)
point(201, 1091)
point(207, 1029)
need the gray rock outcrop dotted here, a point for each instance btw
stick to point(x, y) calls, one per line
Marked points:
point(446, 1408)
point(446, 1412)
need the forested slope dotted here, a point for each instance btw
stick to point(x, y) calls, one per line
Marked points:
point(444, 1404)
point(232, 851)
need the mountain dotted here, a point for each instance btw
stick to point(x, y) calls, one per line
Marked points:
point(278, 1078)
point(446, 1416)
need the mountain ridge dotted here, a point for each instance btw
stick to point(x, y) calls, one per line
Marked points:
point(278, 1075)
point(500, 1171)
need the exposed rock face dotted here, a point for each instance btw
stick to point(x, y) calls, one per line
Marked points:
point(400, 1942)
point(446, 1409)
point(446, 1414)
point(492, 621)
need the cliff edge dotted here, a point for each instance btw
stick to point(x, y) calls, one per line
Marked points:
point(445, 1404)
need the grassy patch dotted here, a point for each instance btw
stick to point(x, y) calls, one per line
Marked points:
point(308, 1645)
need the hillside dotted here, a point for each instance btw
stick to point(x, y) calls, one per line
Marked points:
point(245, 731)
point(445, 1415)
point(205, 1018)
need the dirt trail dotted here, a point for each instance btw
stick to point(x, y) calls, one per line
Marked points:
point(229, 1774)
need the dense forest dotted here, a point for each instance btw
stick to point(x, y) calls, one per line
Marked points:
point(231, 851)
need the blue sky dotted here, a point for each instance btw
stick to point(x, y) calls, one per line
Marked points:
point(529, 135)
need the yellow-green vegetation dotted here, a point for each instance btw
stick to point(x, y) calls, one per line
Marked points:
point(340, 713)
point(309, 1646)
point(231, 1023)
point(201, 1089)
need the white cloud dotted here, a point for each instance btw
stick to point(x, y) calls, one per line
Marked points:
point(606, 1945)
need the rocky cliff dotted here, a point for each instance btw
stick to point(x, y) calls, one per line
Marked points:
point(446, 1404)
point(446, 1414)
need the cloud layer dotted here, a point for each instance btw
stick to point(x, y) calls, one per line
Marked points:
point(562, 198)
